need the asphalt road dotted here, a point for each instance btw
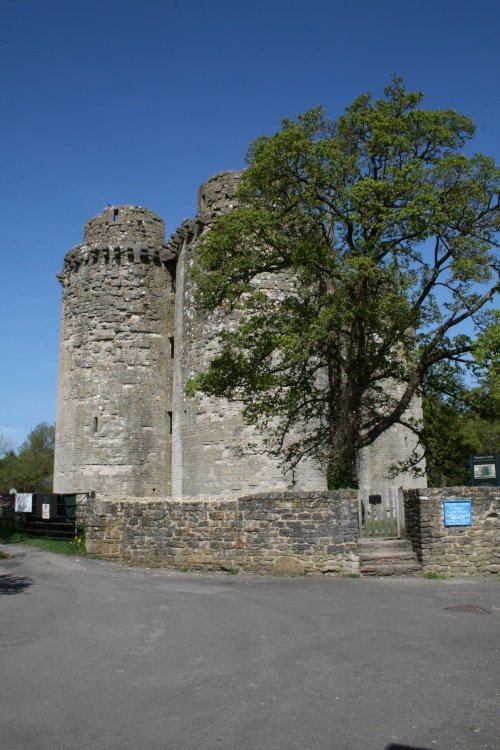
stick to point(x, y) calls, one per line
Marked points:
point(97, 656)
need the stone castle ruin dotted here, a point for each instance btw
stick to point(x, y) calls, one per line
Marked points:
point(131, 338)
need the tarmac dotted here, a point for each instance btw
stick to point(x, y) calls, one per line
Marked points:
point(94, 655)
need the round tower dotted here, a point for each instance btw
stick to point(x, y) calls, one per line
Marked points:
point(113, 430)
point(218, 195)
point(208, 432)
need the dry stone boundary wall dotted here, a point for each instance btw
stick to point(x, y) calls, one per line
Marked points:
point(288, 533)
point(455, 550)
point(278, 533)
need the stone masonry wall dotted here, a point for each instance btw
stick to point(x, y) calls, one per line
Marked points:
point(116, 358)
point(208, 432)
point(455, 550)
point(282, 533)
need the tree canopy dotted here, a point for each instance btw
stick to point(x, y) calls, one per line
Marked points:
point(385, 234)
point(31, 468)
point(458, 420)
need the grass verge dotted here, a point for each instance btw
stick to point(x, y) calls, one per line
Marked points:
point(74, 546)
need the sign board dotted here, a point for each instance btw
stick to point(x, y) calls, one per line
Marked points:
point(457, 512)
point(46, 506)
point(485, 469)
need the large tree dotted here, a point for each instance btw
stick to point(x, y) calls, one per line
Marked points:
point(384, 233)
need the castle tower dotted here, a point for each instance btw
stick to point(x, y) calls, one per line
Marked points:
point(208, 432)
point(114, 411)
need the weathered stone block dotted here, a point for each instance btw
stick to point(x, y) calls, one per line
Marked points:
point(288, 566)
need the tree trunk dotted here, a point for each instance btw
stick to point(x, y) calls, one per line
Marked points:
point(343, 425)
point(342, 460)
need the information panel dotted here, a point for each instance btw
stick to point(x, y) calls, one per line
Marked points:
point(485, 469)
point(457, 512)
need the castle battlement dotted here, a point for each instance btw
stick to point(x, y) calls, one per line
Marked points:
point(118, 224)
point(218, 195)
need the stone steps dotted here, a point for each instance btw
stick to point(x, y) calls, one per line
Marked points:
point(387, 557)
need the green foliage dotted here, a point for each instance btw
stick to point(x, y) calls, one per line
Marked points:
point(74, 546)
point(486, 355)
point(382, 234)
point(458, 421)
point(40, 440)
point(31, 468)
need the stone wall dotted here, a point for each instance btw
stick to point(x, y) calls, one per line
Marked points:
point(116, 358)
point(210, 438)
point(288, 533)
point(455, 550)
point(282, 533)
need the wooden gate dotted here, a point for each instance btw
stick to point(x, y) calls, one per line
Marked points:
point(382, 514)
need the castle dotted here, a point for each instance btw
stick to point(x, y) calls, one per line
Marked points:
point(131, 338)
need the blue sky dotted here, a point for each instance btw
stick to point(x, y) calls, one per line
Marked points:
point(140, 101)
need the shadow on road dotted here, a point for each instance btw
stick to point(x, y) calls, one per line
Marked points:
point(10, 584)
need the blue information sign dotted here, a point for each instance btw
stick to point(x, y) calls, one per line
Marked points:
point(457, 512)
